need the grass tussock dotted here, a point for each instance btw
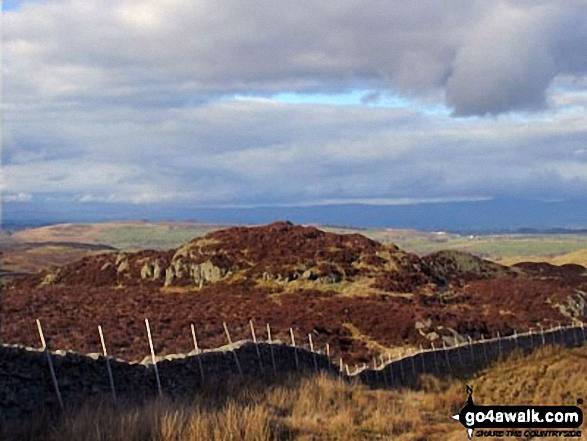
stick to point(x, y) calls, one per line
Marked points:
point(319, 407)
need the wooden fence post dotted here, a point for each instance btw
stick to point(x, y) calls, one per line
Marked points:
point(293, 343)
point(458, 349)
point(198, 352)
point(153, 360)
point(51, 370)
point(484, 349)
point(110, 377)
point(434, 356)
point(384, 373)
point(542, 336)
point(446, 356)
point(271, 349)
point(471, 349)
point(498, 346)
point(313, 353)
point(256, 344)
point(575, 335)
point(328, 351)
point(233, 349)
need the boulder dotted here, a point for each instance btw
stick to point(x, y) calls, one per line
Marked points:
point(147, 271)
point(157, 270)
point(210, 272)
point(169, 276)
point(49, 279)
point(124, 266)
point(178, 266)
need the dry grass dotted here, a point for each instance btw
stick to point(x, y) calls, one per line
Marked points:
point(321, 407)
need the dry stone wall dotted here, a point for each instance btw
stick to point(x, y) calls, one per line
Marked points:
point(466, 359)
point(26, 385)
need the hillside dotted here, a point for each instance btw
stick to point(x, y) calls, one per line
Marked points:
point(360, 296)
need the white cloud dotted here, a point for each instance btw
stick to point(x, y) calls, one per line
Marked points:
point(17, 197)
point(126, 101)
point(487, 56)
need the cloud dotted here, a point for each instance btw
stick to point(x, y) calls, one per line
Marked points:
point(18, 197)
point(173, 102)
point(487, 57)
point(260, 151)
point(510, 60)
point(371, 97)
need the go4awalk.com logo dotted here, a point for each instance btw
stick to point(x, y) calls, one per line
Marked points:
point(527, 421)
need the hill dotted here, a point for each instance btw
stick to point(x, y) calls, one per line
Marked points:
point(359, 296)
point(26, 250)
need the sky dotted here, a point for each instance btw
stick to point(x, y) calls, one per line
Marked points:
point(189, 105)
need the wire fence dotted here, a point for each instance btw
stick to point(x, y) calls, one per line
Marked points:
point(273, 357)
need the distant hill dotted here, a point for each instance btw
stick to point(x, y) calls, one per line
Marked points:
point(470, 217)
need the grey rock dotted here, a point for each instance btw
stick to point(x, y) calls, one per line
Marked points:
point(124, 266)
point(147, 271)
point(169, 276)
point(157, 270)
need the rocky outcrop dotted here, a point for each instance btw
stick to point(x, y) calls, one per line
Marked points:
point(574, 306)
point(206, 272)
point(147, 271)
point(49, 278)
point(279, 253)
point(185, 273)
point(457, 266)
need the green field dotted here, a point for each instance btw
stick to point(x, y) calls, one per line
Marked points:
point(152, 236)
point(504, 245)
point(166, 236)
point(491, 246)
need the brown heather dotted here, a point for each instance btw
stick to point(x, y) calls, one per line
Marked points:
point(360, 297)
